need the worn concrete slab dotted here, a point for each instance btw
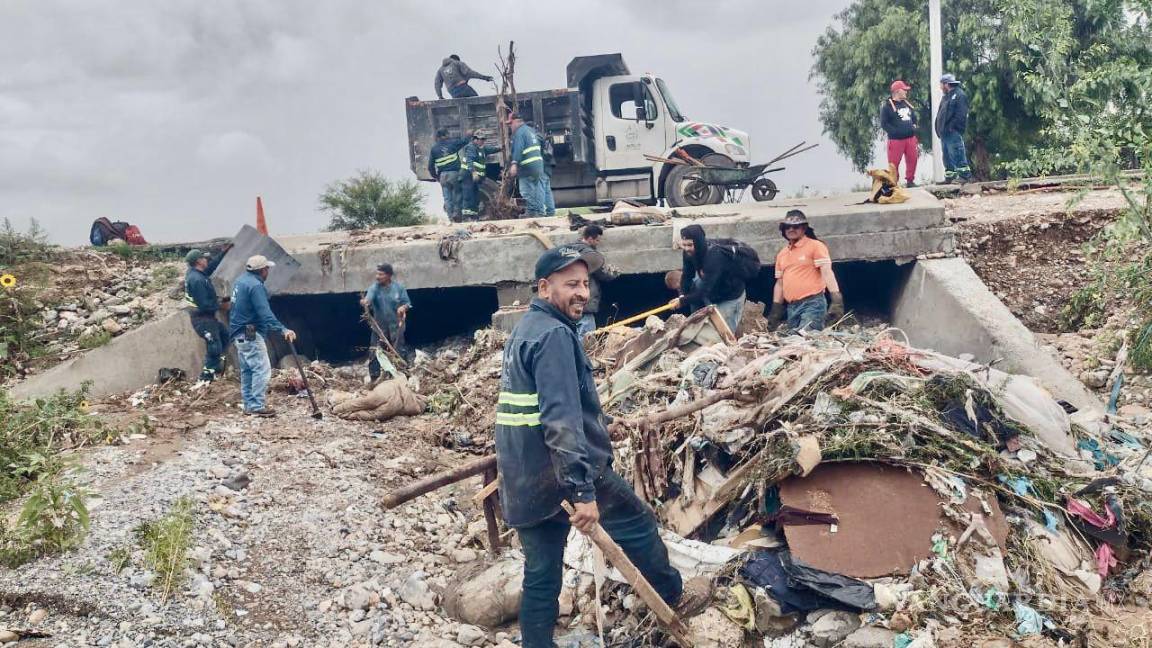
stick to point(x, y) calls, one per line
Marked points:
point(127, 363)
point(943, 305)
point(500, 251)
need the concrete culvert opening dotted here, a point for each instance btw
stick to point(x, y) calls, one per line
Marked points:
point(330, 329)
point(869, 289)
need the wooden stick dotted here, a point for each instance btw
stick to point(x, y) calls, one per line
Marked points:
point(490, 514)
point(688, 408)
point(439, 480)
point(637, 318)
point(490, 487)
point(640, 585)
point(721, 326)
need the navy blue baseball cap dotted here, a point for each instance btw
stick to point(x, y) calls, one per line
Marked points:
point(562, 256)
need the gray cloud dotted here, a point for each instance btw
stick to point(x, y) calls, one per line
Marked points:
point(175, 115)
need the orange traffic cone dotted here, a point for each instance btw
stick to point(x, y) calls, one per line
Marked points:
point(261, 226)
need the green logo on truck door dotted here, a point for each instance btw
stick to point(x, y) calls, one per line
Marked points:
point(696, 129)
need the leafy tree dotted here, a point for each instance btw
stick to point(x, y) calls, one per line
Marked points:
point(369, 200)
point(1008, 54)
point(1099, 122)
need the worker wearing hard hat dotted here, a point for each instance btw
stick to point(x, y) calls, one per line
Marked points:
point(803, 275)
point(250, 320)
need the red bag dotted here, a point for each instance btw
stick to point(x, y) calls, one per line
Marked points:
point(133, 236)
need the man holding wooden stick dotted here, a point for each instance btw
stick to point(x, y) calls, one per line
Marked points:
point(553, 447)
point(387, 300)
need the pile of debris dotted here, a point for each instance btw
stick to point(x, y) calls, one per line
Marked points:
point(460, 382)
point(847, 487)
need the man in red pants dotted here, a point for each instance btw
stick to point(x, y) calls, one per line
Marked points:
point(898, 119)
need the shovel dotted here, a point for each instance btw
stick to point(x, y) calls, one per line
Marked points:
point(312, 399)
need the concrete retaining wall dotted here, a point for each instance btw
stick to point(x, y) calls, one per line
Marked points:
point(943, 305)
point(127, 363)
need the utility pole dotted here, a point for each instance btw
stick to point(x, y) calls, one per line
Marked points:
point(935, 45)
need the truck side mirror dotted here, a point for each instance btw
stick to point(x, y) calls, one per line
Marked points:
point(641, 113)
point(638, 97)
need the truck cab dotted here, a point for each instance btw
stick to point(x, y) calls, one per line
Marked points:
point(610, 132)
point(637, 118)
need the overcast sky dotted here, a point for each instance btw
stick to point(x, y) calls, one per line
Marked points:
point(176, 114)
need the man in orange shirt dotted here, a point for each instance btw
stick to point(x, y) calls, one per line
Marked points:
point(803, 273)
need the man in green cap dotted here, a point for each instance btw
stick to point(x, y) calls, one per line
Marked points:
point(203, 302)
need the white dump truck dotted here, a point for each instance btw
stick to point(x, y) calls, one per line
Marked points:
point(601, 127)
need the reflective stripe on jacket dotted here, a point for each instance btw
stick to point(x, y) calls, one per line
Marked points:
point(444, 155)
point(551, 439)
point(526, 150)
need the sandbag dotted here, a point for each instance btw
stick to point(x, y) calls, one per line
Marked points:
point(387, 400)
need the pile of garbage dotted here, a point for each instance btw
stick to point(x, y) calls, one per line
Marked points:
point(844, 486)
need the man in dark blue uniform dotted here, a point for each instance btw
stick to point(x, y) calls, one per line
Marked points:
point(552, 445)
point(201, 297)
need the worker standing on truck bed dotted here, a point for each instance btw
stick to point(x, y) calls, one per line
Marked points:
point(473, 166)
point(803, 273)
point(201, 296)
point(528, 166)
point(552, 445)
point(387, 300)
point(710, 275)
point(250, 320)
point(444, 165)
point(454, 75)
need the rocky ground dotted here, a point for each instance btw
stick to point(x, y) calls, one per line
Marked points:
point(85, 296)
point(302, 554)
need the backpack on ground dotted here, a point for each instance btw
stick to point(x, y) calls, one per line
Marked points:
point(746, 262)
point(104, 231)
point(133, 236)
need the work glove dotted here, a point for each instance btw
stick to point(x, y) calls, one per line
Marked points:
point(775, 316)
point(476, 175)
point(836, 309)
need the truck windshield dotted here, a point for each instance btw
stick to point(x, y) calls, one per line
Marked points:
point(673, 109)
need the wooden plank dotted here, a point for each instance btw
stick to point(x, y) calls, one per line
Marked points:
point(618, 559)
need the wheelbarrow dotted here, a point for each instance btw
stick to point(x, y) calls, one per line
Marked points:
point(733, 181)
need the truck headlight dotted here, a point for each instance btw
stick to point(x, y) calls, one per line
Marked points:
point(735, 150)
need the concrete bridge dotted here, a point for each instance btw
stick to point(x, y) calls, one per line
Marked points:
point(938, 301)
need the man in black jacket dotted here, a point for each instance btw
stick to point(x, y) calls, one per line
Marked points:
point(898, 119)
point(444, 166)
point(951, 120)
point(552, 445)
point(590, 239)
point(201, 296)
point(709, 277)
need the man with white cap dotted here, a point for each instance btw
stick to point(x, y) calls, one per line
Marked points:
point(251, 319)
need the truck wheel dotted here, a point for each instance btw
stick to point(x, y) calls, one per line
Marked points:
point(682, 190)
point(764, 189)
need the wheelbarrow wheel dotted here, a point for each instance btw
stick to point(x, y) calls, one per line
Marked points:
point(764, 189)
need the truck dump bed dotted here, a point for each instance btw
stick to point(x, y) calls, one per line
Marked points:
point(564, 116)
point(557, 114)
